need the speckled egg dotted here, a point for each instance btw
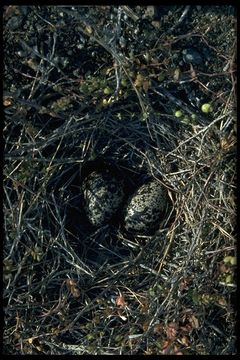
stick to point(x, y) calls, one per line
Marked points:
point(145, 208)
point(103, 195)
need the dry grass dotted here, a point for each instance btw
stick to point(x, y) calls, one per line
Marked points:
point(71, 289)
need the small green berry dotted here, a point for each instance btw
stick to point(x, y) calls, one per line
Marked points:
point(206, 108)
point(233, 260)
point(229, 279)
point(124, 82)
point(230, 260)
point(107, 90)
point(178, 113)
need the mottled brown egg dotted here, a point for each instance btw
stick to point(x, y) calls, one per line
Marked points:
point(145, 208)
point(103, 195)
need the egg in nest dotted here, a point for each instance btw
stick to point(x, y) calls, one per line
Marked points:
point(103, 195)
point(145, 208)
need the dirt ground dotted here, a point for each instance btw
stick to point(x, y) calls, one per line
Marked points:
point(147, 92)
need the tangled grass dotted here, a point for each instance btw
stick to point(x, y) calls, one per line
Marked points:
point(71, 289)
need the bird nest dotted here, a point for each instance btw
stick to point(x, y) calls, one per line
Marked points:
point(80, 95)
